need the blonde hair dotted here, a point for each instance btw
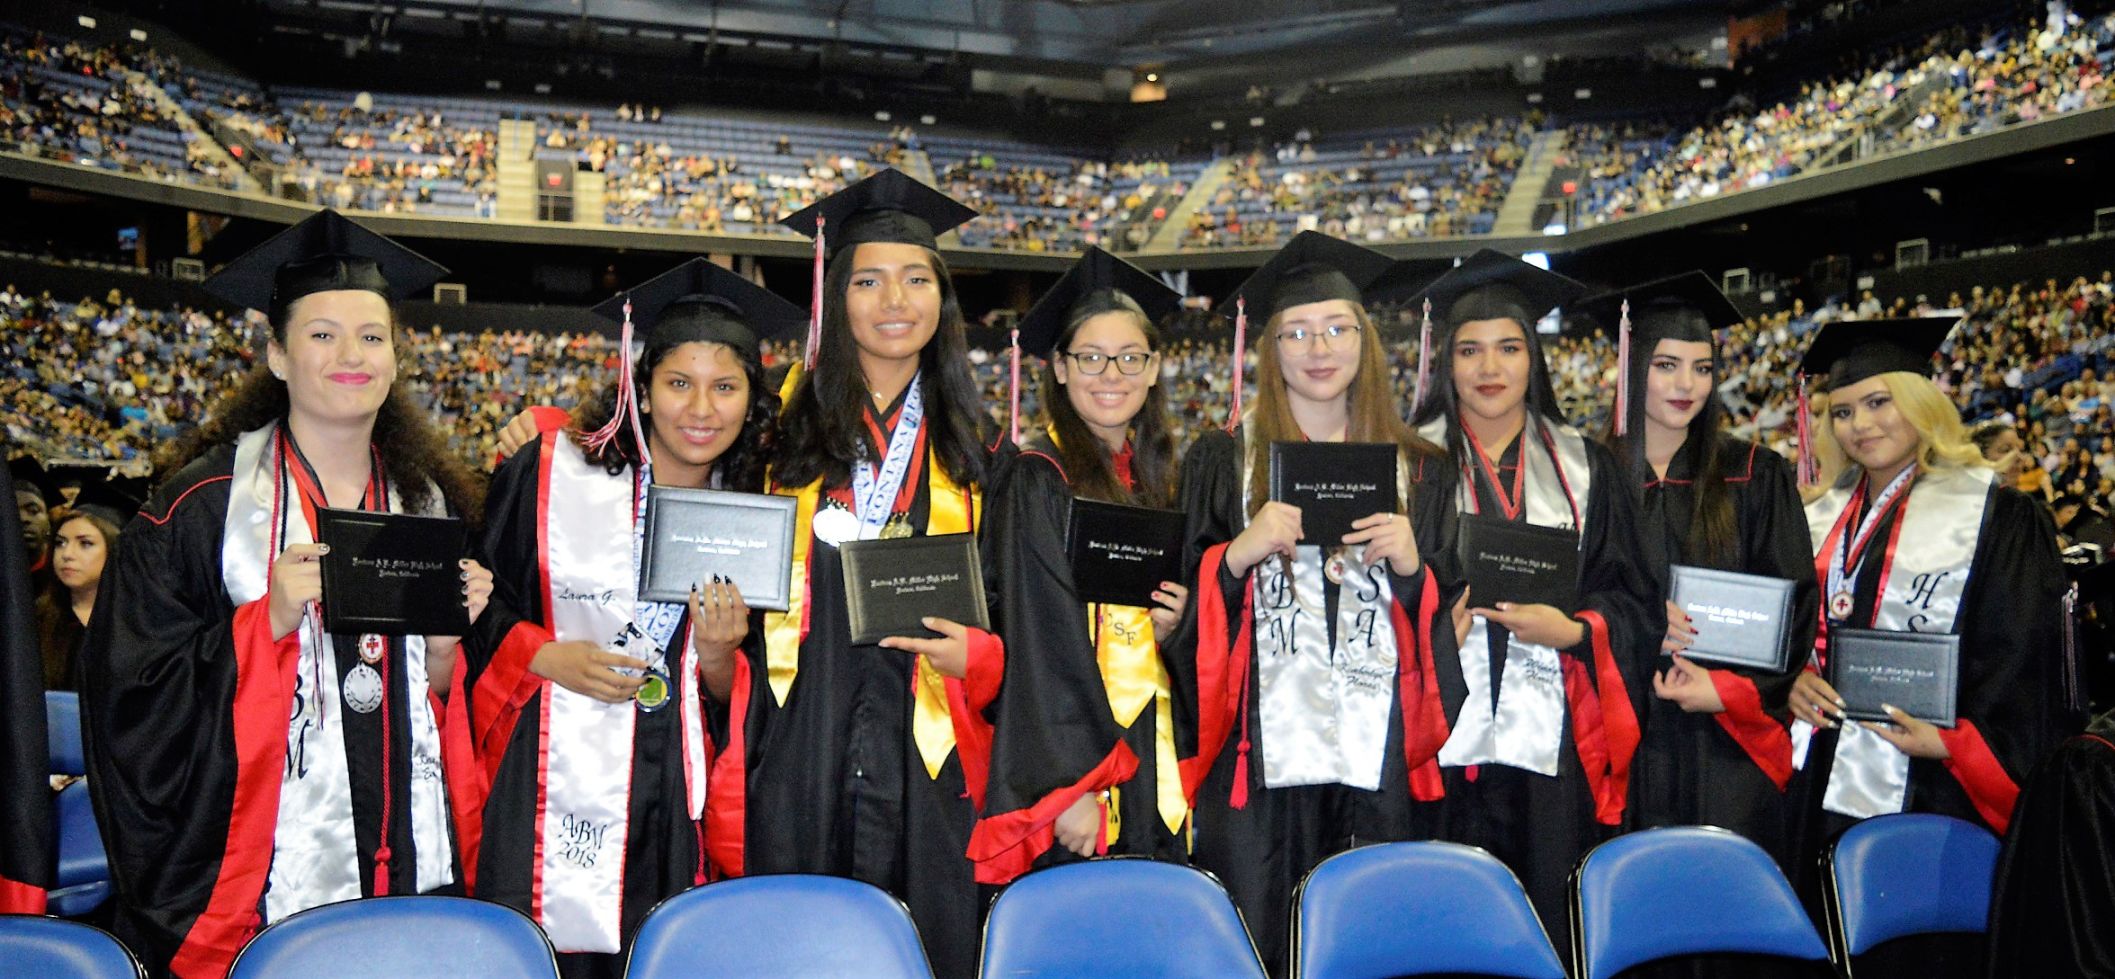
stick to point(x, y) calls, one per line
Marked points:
point(1943, 440)
point(1370, 402)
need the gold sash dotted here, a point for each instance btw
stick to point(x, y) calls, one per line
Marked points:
point(950, 511)
point(1133, 677)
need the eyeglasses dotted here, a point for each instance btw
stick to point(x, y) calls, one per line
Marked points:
point(1130, 363)
point(1300, 340)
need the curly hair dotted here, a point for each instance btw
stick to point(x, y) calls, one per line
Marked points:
point(413, 451)
point(740, 468)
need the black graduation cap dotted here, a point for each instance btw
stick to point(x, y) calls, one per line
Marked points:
point(887, 206)
point(30, 475)
point(1311, 268)
point(1495, 275)
point(323, 253)
point(1085, 290)
point(114, 499)
point(1849, 351)
point(1692, 290)
point(698, 300)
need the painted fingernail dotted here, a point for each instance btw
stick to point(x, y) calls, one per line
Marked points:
point(323, 548)
point(464, 563)
point(465, 576)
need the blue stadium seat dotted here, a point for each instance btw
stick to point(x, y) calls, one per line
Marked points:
point(82, 883)
point(1170, 921)
point(1402, 909)
point(387, 937)
point(1906, 874)
point(782, 925)
point(34, 947)
point(1638, 898)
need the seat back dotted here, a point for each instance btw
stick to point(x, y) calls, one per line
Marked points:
point(1683, 890)
point(1907, 874)
point(62, 726)
point(1169, 921)
point(780, 925)
point(380, 937)
point(1418, 908)
point(38, 946)
point(83, 880)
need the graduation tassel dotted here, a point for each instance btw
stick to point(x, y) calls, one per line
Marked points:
point(815, 299)
point(1424, 357)
point(1240, 354)
point(1806, 472)
point(1013, 389)
point(626, 414)
point(1623, 371)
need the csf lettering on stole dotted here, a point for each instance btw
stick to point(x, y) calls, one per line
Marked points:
point(580, 840)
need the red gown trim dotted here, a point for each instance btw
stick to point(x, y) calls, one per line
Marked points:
point(1604, 725)
point(1973, 765)
point(263, 689)
point(1766, 741)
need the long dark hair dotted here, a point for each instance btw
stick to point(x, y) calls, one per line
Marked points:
point(1369, 401)
point(741, 467)
point(413, 452)
point(823, 430)
point(1491, 303)
point(1086, 460)
point(1714, 535)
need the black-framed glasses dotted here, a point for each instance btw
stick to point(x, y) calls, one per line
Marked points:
point(1300, 338)
point(1130, 363)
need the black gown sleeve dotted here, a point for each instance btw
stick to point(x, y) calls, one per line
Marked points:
point(1613, 582)
point(158, 699)
point(1209, 495)
point(1051, 721)
point(1773, 527)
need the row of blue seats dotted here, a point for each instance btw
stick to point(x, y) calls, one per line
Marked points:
point(1387, 910)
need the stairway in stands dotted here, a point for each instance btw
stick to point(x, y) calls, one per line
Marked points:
point(1168, 237)
point(517, 178)
point(1531, 183)
point(218, 154)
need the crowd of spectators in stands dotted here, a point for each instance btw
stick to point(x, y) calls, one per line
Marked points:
point(1112, 205)
point(1340, 198)
point(98, 121)
point(1953, 84)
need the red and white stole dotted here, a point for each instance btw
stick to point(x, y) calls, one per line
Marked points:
point(1926, 563)
point(1525, 728)
point(315, 860)
point(589, 518)
point(1323, 711)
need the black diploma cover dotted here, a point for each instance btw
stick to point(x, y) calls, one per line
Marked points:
point(891, 584)
point(1740, 619)
point(394, 574)
point(1917, 672)
point(1524, 563)
point(693, 534)
point(1121, 554)
point(1333, 484)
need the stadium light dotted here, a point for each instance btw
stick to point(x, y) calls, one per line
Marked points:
point(882, 115)
point(928, 119)
point(1255, 122)
point(139, 35)
point(85, 21)
point(1218, 124)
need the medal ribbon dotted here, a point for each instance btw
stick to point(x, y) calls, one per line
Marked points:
point(880, 492)
point(1509, 501)
point(1848, 557)
point(954, 510)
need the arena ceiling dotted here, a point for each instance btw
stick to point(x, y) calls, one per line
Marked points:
point(1082, 33)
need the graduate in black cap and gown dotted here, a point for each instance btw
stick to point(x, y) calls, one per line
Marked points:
point(594, 711)
point(1314, 732)
point(1918, 535)
point(84, 543)
point(1107, 438)
point(1541, 703)
point(1713, 753)
point(247, 764)
point(34, 497)
point(873, 761)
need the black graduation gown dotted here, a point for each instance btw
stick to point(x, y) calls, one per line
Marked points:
point(178, 735)
point(1540, 825)
point(28, 844)
point(1727, 769)
point(2054, 892)
point(2011, 624)
point(1263, 850)
point(663, 846)
point(835, 783)
point(1042, 616)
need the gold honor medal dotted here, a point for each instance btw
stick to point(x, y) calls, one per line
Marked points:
point(653, 695)
point(899, 526)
